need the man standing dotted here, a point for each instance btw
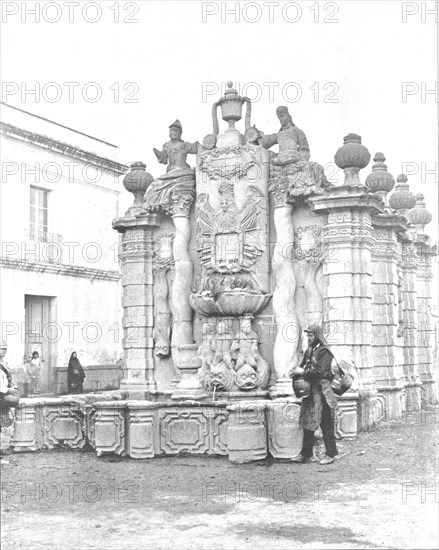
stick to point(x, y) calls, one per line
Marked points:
point(319, 407)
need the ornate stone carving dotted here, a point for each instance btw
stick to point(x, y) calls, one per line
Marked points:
point(137, 182)
point(163, 261)
point(311, 250)
point(402, 199)
point(292, 174)
point(226, 163)
point(231, 107)
point(352, 157)
point(170, 193)
point(230, 358)
point(230, 242)
point(380, 181)
point(419, 216)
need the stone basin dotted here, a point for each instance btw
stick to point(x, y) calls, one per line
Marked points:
point(230, 304)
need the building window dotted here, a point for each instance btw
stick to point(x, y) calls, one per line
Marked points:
point(38, 213)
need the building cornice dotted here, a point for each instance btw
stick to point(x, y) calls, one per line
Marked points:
point(66, 270)
point(49, 144)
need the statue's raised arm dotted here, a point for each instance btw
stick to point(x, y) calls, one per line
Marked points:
point(162, 156)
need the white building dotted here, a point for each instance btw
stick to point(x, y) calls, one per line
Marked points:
point(59, 273)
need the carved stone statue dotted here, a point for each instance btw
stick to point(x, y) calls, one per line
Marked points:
point(179, 177)
point(292, 174)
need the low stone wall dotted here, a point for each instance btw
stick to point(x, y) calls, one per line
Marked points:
point(97, 378)
point(244, 431)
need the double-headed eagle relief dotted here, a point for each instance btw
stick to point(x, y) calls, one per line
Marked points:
point(231, 240)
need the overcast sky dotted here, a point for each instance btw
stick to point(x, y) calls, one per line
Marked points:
point(339, 66)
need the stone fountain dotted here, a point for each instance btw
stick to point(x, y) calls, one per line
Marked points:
point(223, 266)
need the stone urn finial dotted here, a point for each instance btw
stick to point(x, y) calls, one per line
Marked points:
point(402, 199)
point(419, 216)
point(352, 157)
point(137, 182)
point(231, 109)
point(380, 181)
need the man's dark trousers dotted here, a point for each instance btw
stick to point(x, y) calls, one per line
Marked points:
point(327, 426)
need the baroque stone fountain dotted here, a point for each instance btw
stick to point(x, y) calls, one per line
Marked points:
point(223, 266)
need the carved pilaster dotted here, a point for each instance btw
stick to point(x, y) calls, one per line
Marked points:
point(409, 267)
point(348, 313)
point(387, 311)
point(136, 257)
point(424, 276)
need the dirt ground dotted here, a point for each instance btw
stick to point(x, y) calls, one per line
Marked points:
point(382, 493)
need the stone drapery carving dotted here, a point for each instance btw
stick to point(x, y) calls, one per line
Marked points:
point(292, 174)
point(174, 189)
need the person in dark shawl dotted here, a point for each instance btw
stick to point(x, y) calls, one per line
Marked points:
point(319, 408)
point(75, 375)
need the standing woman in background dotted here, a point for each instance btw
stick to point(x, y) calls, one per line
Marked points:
point(75, 375)
point(33, 371)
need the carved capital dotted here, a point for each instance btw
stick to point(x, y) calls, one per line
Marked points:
point(181, 203)
point(278, 190)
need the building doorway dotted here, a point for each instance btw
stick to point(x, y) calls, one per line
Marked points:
point(38, 322)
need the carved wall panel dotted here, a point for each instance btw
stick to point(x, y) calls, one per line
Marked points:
point(192, 430)
point(110, 428)
point(63, 424)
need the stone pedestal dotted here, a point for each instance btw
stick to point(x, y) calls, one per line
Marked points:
point(246, 432)
point(138, 302)
point(109, 428)
point(28, 432)
point(348, 232)
point(285, 436)
point(142, 420)
point(190, 386)
point(346, 416)
point(387, 314)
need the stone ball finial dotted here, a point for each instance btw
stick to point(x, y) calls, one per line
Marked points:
point(352, 157)
point(380, 181)
point(419, 216)
point(402, 199)
point(231, 91)
point(137, 182)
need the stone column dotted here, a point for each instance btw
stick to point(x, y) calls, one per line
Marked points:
point(388, 371)
point(409, 267)
point(138, 302)
point(182, 331)
point(348, 283)
point(285, 354)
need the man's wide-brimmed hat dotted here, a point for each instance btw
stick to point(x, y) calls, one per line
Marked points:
point(177, 124)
